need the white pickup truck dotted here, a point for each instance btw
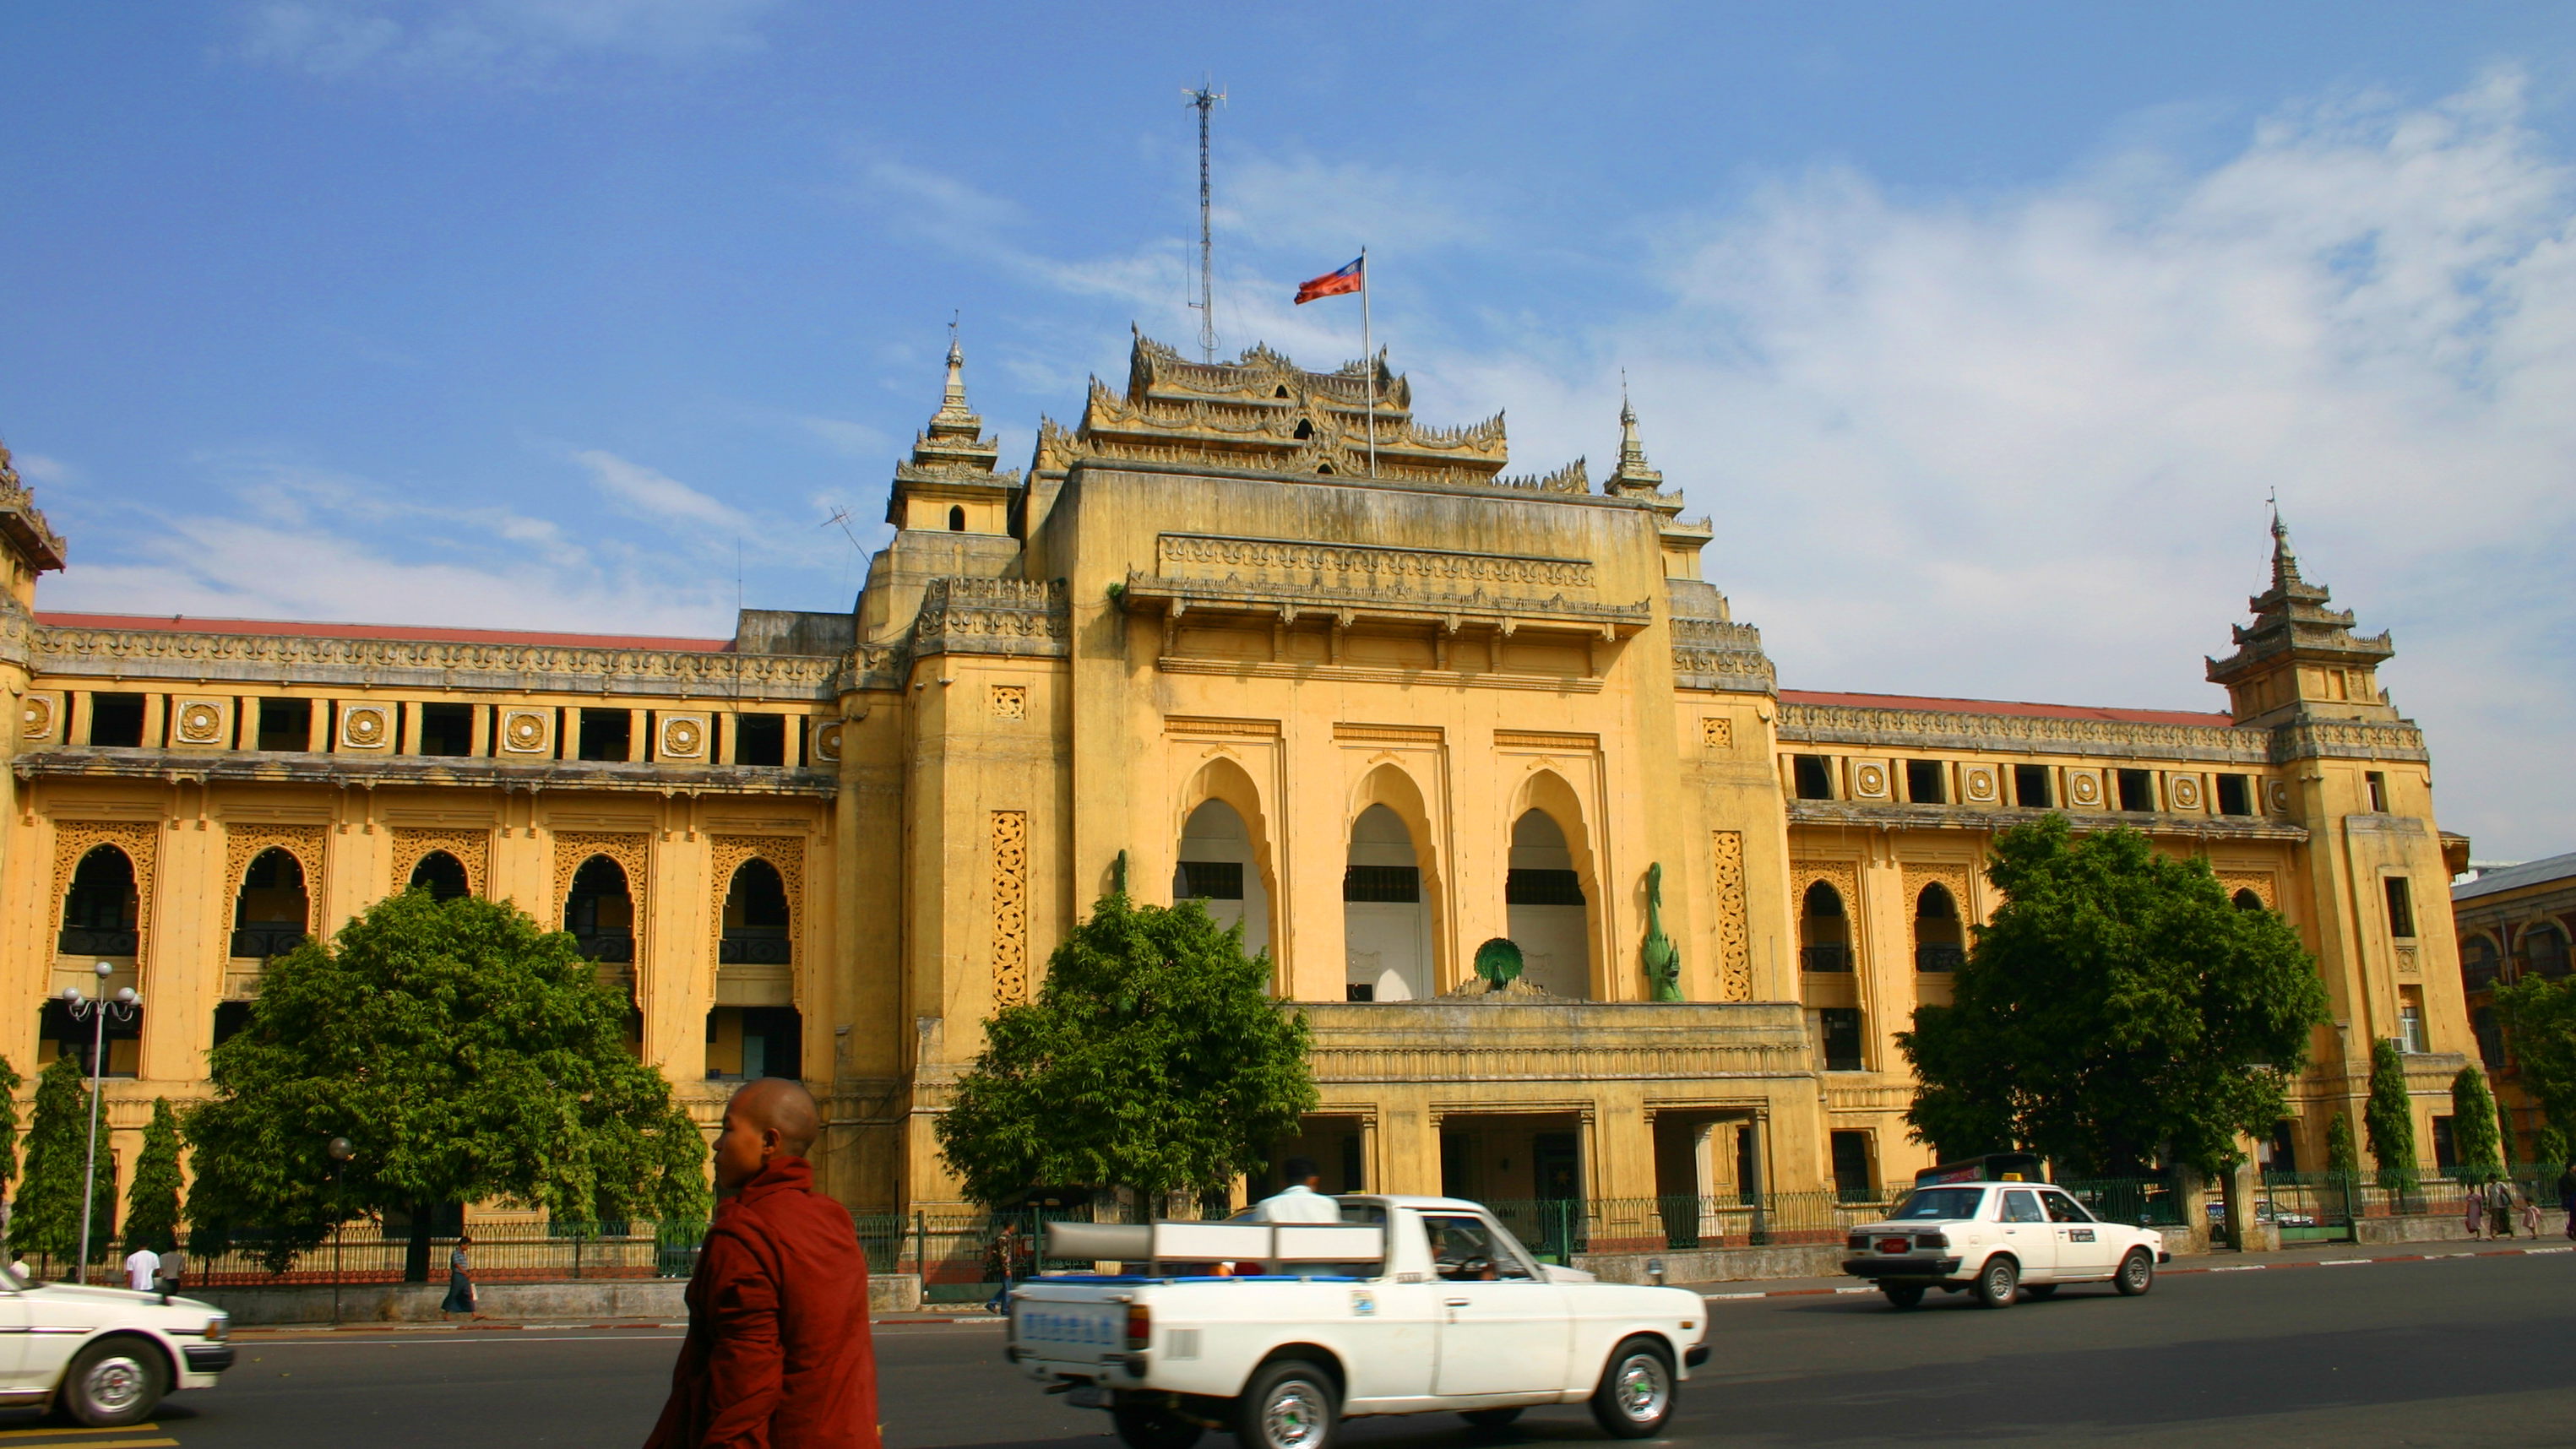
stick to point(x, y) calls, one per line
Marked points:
point(1278, 1331)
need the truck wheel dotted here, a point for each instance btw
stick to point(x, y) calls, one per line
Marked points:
point(1902, 1295)
point(2137, 1273)
point(1636, 1392)
point(115, 1381)
point(1998, 1283)
point(1153, 1426)
point(1490, 1418)
point(1288, 1405)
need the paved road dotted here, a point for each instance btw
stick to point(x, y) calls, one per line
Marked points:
point(2469, 1351)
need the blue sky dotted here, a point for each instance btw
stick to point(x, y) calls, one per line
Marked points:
point(1982, 330)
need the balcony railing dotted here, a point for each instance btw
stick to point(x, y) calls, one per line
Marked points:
point(605, 945)
point(266, 941)
point(92, 941)
point(1825, 958)
point(1934, 956)
point(740, 948)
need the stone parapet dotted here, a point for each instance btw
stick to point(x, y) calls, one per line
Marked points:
point(1430, 1042)
point(443, 771)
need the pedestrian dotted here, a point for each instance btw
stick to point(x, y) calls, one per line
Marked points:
point(141, 1267)
point(174, 1270)
point(2530, 1214)
point(778, 1353)
point(460, 1279)
point(2474, 1203)
point(1004, 1256)
point(2500, 1208)
point(1298, 1202)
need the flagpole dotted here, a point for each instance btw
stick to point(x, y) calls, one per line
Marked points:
point(1368, 359)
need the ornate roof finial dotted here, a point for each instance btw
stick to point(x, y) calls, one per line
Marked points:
point(954, 436)
point(1634, 474)
point(2285, 564)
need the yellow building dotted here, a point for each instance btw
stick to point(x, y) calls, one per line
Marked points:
point(1247, 633)
point(2514, 923)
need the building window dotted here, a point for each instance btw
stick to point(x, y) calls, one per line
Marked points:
point(1528, 887)
point(1401, 884)
point(440, 874)
point(747, 1042)
point(1812, 776)
point(1938, 943)
point(1358, 991)
point(447, 729)
point(957, 520)
point(2410, 1020)
point(99, 909)
point(2482, 1024)
point(59, 1034)
point(2401, 908)
point(2480, 964)
point(286, 724)
point(116, 720)
point(599, 912)
point(606, 734)
point(1212, 880)
point(2446, 1145)
point(2137, 791)
point(1824, 932)
point(2246, 900)
point(2378, 784)
point(1851, 1167)
point(2235, 795)
point(2544, 952)
point(1923, 783)
point(760, 739)
point(269, 915)
point(755, 918)
point(230, 1018)
point(1839, 1026)
point(2030, 787)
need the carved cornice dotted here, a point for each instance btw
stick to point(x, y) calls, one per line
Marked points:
point(1939, 729)
point(2347, 740)
point(431, 664)
point(1433, 1042)
point(1153, 593)
point(447, 771)
point(1393, 570)
point(1850, 813)
point(992, 616)
point(1720, 655)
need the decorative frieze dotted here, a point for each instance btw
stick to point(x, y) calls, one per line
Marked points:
point(1010, 884)
point(992, 616)
point(1390, 570)
point(1734, 935)
point(1837, 724)
point(428, 663)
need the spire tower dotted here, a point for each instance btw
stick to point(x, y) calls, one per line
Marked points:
point(2301, 657)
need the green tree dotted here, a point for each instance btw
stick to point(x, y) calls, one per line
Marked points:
point(2343, 1159)
point(47, 1218)
point(466, 1054)
point(2119, 1010)
point(1153, 1059)
point(152, 1202)
point(10, 1082)
point(2539, 1017)
point(2473, 1128)
point(2549, 1146)
point(2390, 1118)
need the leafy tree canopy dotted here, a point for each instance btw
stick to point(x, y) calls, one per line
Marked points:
point(2476, 1134)
point(1153, 1059)
point(152, 1204)
point(2389, 1117)
point(2343, 1159)
point(46, 1217)
point(465, 1053)
point(2540, 1020)
point(2118, 1011)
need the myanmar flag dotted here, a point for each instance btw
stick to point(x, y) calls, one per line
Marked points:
point(1334, 283)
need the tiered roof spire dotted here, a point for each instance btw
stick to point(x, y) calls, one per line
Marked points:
point(1634, 474)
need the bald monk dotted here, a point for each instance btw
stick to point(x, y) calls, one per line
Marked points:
point(778, 1354)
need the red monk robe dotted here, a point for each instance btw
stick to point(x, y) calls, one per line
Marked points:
point(778, 1354)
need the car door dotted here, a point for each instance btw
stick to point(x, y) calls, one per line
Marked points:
point(1503, 1326)
point(2084, 1249)
point(2028, 1234)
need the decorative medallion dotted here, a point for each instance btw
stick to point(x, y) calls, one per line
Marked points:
point(366, 726)
point(683, 737)
point(827, 742)
point(1717, 734)
point(1977, 783)
point(523, 732)
point(36, 720)
point(2083, 787)
point(199, 722)
point(2183, 791)
point(2277, 793)
point(1869, 781)
point(1010, 701)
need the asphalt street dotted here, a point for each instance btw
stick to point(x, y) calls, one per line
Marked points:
point(2468, 1351)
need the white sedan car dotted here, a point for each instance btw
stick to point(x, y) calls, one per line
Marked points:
point(2000, 1241)
point(105, 1356)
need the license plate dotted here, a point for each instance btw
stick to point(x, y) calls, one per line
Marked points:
point(1087, 1396)
point(1895, 1245)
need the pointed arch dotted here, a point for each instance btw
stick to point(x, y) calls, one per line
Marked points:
point(272, 906)
point(1200, 832)
point(1393, 913)
point(441, 874)
point(1560, 939)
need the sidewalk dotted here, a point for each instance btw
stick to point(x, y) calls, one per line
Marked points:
point(2308, 1255)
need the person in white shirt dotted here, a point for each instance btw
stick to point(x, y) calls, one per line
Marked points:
point(1298, 1202)
point(141, 1267)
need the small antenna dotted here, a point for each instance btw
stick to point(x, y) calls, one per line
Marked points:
point(737, 574)
point(841, 516)
point(1201, 100)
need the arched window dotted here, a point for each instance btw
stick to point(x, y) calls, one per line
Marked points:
point(599, 912)
point(1544, 908)
point(99, 909)
point(1218, 869)
point(755, 917)
point(1305, 429)
point(2544, 951)
point(957, 519)
point(2490, 1035)
point(755, 1029)
point(2246, 900)
point(442, 875)
point(1386, 933)
point(2480, 963)
point(1939, 942)
point(1824, 933)
point(270, 913)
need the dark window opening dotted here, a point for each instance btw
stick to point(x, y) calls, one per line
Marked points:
point(756, 919)
point(1212, 880)
point(772, 1042)
point(440, 874)
point(1840, 1027)
point(230, 1018)
point(1542, 888)
point(1305, 429)
point(116, 720)
point(1813, 780)
point(2246, 900)
point(447, 729)
point(1353, 1178)
point(60, 1034)
point(1851, 1167)
point(2030, 787)
point(2480, 964)
point(1283, 392)
point(286, 724)
point(2490, 1035)
point(606, 733)
point(1939, 943)
point(599, 912)
point(271, 912)
point(2544, 952)
point(99, 909)
point(1356, 991)
point(2285, 1147)
point(2378, 784)
point(1823, 932)
point(760, 739)
point(2446, 1147)
point(1323, 467)
point(1401, 883)
point(1923, 783)
point(2401, 908)
point(2235, 795)
point(957, 519)
point(2137, 791)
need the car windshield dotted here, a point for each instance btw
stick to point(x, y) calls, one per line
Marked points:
point(1939, 1203)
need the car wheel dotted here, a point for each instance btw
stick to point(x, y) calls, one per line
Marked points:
point(1153, 1426)
point(1904, 1295)
point(2137, 1273)
point(115, 1381)
point(1288, 1405)
point(2040, 1292)
point(1490, 1418)
point(1998, 1283)
point(1635, 1397)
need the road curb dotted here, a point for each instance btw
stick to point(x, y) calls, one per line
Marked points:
point(1751, 1295)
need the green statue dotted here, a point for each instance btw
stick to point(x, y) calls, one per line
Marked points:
point(1499, 962)
point(1663, 959)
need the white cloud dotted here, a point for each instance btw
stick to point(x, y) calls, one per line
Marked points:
point(492, 39)
point(50, 471)
point(659, 498)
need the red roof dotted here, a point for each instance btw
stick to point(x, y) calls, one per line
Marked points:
point(2003, 706)
point(182, 624)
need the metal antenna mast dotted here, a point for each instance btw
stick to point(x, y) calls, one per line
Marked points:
point(1201, 100)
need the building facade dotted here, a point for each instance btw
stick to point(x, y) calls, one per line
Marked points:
point(1250, 634)
point(2514, 923)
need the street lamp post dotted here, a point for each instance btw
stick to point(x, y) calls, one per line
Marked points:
point(125, 1005)
point(340, 1152)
